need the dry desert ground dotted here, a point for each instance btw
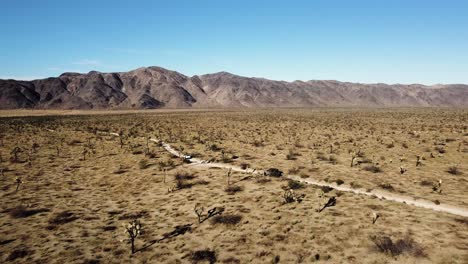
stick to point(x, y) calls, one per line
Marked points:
point(74, 187)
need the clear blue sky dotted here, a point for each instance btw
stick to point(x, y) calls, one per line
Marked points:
point(392, 41)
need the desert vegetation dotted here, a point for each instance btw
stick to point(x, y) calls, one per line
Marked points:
point(104, 189)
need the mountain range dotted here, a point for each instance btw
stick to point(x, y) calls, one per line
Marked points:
point(156, 87)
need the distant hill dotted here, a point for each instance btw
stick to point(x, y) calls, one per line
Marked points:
point(155, 87)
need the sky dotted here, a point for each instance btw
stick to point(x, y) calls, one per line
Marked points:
point(367, 41)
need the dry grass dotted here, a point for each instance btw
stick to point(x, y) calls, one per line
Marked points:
point(71, 210)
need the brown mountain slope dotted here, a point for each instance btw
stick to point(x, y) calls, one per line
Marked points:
point(155, 87)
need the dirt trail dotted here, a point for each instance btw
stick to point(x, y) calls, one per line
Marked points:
point(344, 188)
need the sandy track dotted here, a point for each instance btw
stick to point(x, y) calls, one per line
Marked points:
point(344, 188)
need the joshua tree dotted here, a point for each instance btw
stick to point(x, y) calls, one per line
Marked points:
point(353, 157)
point(34, 147)
point(199, 212)
point(438, 186)
point(402, 170)
point(121, 135)
point(229, 177)
point(133, 230)
point(289, 197)
point(375, 216)
point(18, 181)
point(14, 154)
point(418, 161)
point(84, 153)
point(29, 159)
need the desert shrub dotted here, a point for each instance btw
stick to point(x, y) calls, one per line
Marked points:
point(23, 212)
point(372, 168)
point(387, 186)
point(204, 255)
point(74, 142)
point(355, 185)
point(263, 179)
point(293, 184)
point(405, 245)
point(226, 158)
point(143, 164)
point(365, 160)
point(321, 157)
point(293, 170)
point(227, 219)
point(232, 189)
point(326, 189)
point(339, 181)
point(182, 178)
point(454, 170)
point(258, 143)
point(425, 183)
point(332, 159)
point(214, 147)
point(289, 197)
point(184, 175)
point(120, 170)
point(291, 155)
point(440, 149)
point(244, 166)
point(273, 172)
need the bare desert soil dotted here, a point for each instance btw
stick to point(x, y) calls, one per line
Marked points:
point(69, 186)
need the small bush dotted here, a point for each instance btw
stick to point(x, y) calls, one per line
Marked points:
point(232, 189)
point(204, 255)
point(291, 155)
point(372, 168)
point(355, 185)
point(453, 170)
point(292, 184)
point(387, 186)
point(425, 183)
point(339, 181)
point(273, 172)
point(440, 149)
point(244, 166)
point(293, 170)
point(143, 164)
point(184, 176)
point(406, 245)
point(326, 189)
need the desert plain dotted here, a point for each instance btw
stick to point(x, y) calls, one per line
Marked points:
point(71, 184)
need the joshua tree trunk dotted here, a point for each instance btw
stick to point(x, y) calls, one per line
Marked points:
point(133, 246)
